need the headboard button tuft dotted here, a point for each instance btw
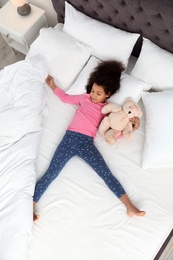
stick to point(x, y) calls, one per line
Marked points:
point(132, 18)
point(166, 32)
point(123, 3)
point(140, 9)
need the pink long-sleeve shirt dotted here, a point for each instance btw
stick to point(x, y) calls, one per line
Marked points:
point(87, 117)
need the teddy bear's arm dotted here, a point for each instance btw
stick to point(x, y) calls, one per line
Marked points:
point(111, 107)
point(104, 126)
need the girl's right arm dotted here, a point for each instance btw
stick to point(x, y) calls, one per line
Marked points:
point(72, 99)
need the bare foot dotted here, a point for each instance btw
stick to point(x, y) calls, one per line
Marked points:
point(131, 209)
point(35, 216)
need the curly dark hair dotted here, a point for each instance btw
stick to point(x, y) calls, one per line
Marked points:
point(107, 74)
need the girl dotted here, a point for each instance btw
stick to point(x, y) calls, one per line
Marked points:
point(78, 139)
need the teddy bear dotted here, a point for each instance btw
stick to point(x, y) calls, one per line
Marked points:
point(118, 121)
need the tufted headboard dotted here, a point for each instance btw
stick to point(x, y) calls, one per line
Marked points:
point(153, 19)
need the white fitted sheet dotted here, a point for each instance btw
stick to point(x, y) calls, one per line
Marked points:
point(80, 218)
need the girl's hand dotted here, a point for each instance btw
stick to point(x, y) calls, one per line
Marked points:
point(135, 122)
point(50, 82)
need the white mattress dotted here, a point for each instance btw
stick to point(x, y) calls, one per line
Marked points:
point(80, 218)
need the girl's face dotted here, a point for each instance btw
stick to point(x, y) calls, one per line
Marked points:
point(98, 94)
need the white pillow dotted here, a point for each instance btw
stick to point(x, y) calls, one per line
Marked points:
point(64, 55)
point(78, 86)
point(158, 145)
point(130, 86)
point(106, 41)
point(59, 26)
point(154, 66)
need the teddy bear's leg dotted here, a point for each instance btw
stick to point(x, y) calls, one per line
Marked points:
point(127, 132)
point(104, 126)
point(111, 136)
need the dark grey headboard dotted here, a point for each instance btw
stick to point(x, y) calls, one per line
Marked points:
point(153, 19)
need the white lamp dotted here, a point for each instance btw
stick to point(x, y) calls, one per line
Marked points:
point(23, 7)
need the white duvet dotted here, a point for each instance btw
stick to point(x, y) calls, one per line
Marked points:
point(21, 107)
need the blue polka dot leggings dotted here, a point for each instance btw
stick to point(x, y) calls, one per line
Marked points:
point(72, 144)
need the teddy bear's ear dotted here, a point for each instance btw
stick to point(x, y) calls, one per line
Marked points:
point(140, 114)
point(128, 99)
point(139, 110)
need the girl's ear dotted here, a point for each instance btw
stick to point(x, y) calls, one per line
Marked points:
point(108, 94)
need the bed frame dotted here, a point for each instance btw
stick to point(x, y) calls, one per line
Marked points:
point(153, 19)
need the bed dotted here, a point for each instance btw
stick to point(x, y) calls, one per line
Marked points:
point(80, 218)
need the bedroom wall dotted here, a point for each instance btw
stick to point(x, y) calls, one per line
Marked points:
point(46, 5)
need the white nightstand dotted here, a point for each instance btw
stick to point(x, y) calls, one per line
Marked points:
point(20, 31)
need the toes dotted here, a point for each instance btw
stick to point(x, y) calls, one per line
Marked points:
point(35, 217)
point(141, 213)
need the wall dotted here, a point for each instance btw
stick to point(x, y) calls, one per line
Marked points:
point(46, 5)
